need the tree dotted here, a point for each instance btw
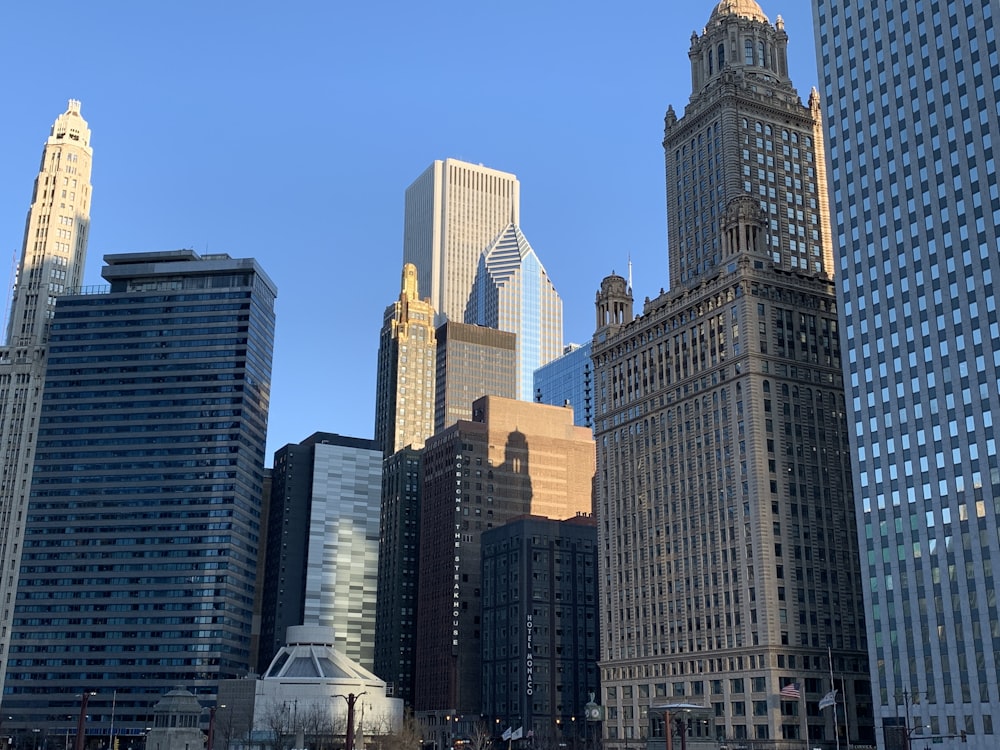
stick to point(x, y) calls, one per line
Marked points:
point(407, 737)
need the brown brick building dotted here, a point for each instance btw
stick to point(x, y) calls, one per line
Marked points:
point(513, 458)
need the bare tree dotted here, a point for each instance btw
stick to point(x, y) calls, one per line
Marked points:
point(277, 718)
point(407, 737)
point(481, 736)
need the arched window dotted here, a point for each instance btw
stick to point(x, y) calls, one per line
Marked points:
point(748, 52)
point(762, 58)
point(722, 56)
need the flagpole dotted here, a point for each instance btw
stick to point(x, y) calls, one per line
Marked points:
point(847, 721)
point(833, 686)
point(804, 721)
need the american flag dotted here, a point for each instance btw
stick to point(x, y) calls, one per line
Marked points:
point(791, 690)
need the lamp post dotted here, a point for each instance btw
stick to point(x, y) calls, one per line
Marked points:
point(34, 738)
point(81, 723)
point(210, 745)
point(351, 699)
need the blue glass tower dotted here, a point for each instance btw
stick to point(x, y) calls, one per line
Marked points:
point(513, 292)
point(569, 380)
point(144, 519)
point(911, 92)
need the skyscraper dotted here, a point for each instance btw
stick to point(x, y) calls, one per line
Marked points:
point(725, 513)
point(744, 132)
point(512, 458)
point(52, 259)
point(911, 94)
point(142, 530)
point(398, 571)
point(404, 396)
point(513, 292)
point(452, 212)
point(472, 361)
point(322, 544)
point(569, 379)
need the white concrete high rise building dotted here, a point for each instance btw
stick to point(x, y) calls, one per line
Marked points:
point(52, 259)
point(452, 212)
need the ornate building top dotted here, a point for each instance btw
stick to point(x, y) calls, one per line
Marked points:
point(744, 8)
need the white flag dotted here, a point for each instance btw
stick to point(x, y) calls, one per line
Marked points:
point(830, 699)
point(507, 733)
point(518, 733)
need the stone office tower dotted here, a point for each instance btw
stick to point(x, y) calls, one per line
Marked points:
point(52, 258)
point(404, 391)
point(724, 503)
point(911, 91)
point(453, 211)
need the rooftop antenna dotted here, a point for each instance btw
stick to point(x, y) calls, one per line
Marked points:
point(9, 297)
point(630, 272)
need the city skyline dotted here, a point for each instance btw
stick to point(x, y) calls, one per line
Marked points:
point(233, 165)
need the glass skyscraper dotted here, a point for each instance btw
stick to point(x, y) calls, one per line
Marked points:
point(910, 89)
point(569, 380)
point(513, 292)
point(143, 525)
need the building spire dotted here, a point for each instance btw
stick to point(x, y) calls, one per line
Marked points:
point(55, 240)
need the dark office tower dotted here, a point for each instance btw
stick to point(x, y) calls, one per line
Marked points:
point(404, 396)
point(322, 552)
point(472, 361)
point(399, 539)
point(52, 259)
point(724, 498)
point(513, 458)
point(142, 531)
point(540, 626)
point(911, 90)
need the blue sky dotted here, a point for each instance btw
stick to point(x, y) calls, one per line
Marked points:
point(288, 132)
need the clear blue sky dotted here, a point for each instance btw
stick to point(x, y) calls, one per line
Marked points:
point(289, 131)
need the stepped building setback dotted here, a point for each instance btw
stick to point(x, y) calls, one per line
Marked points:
point(52, 259)
point(729, 552)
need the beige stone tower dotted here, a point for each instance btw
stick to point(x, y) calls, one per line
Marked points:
point(729, 552)
point(404, 396)
point(453, 211)
point(52, 259)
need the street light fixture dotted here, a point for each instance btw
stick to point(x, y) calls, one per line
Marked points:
point(81, 722)
point(351, 699)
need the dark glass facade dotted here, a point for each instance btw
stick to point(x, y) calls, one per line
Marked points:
point(399, 550)
point(141, 541)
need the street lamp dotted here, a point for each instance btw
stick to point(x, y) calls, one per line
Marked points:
point(351, 699)
point(210, 745)
point(81, 722)
point(34, 738)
